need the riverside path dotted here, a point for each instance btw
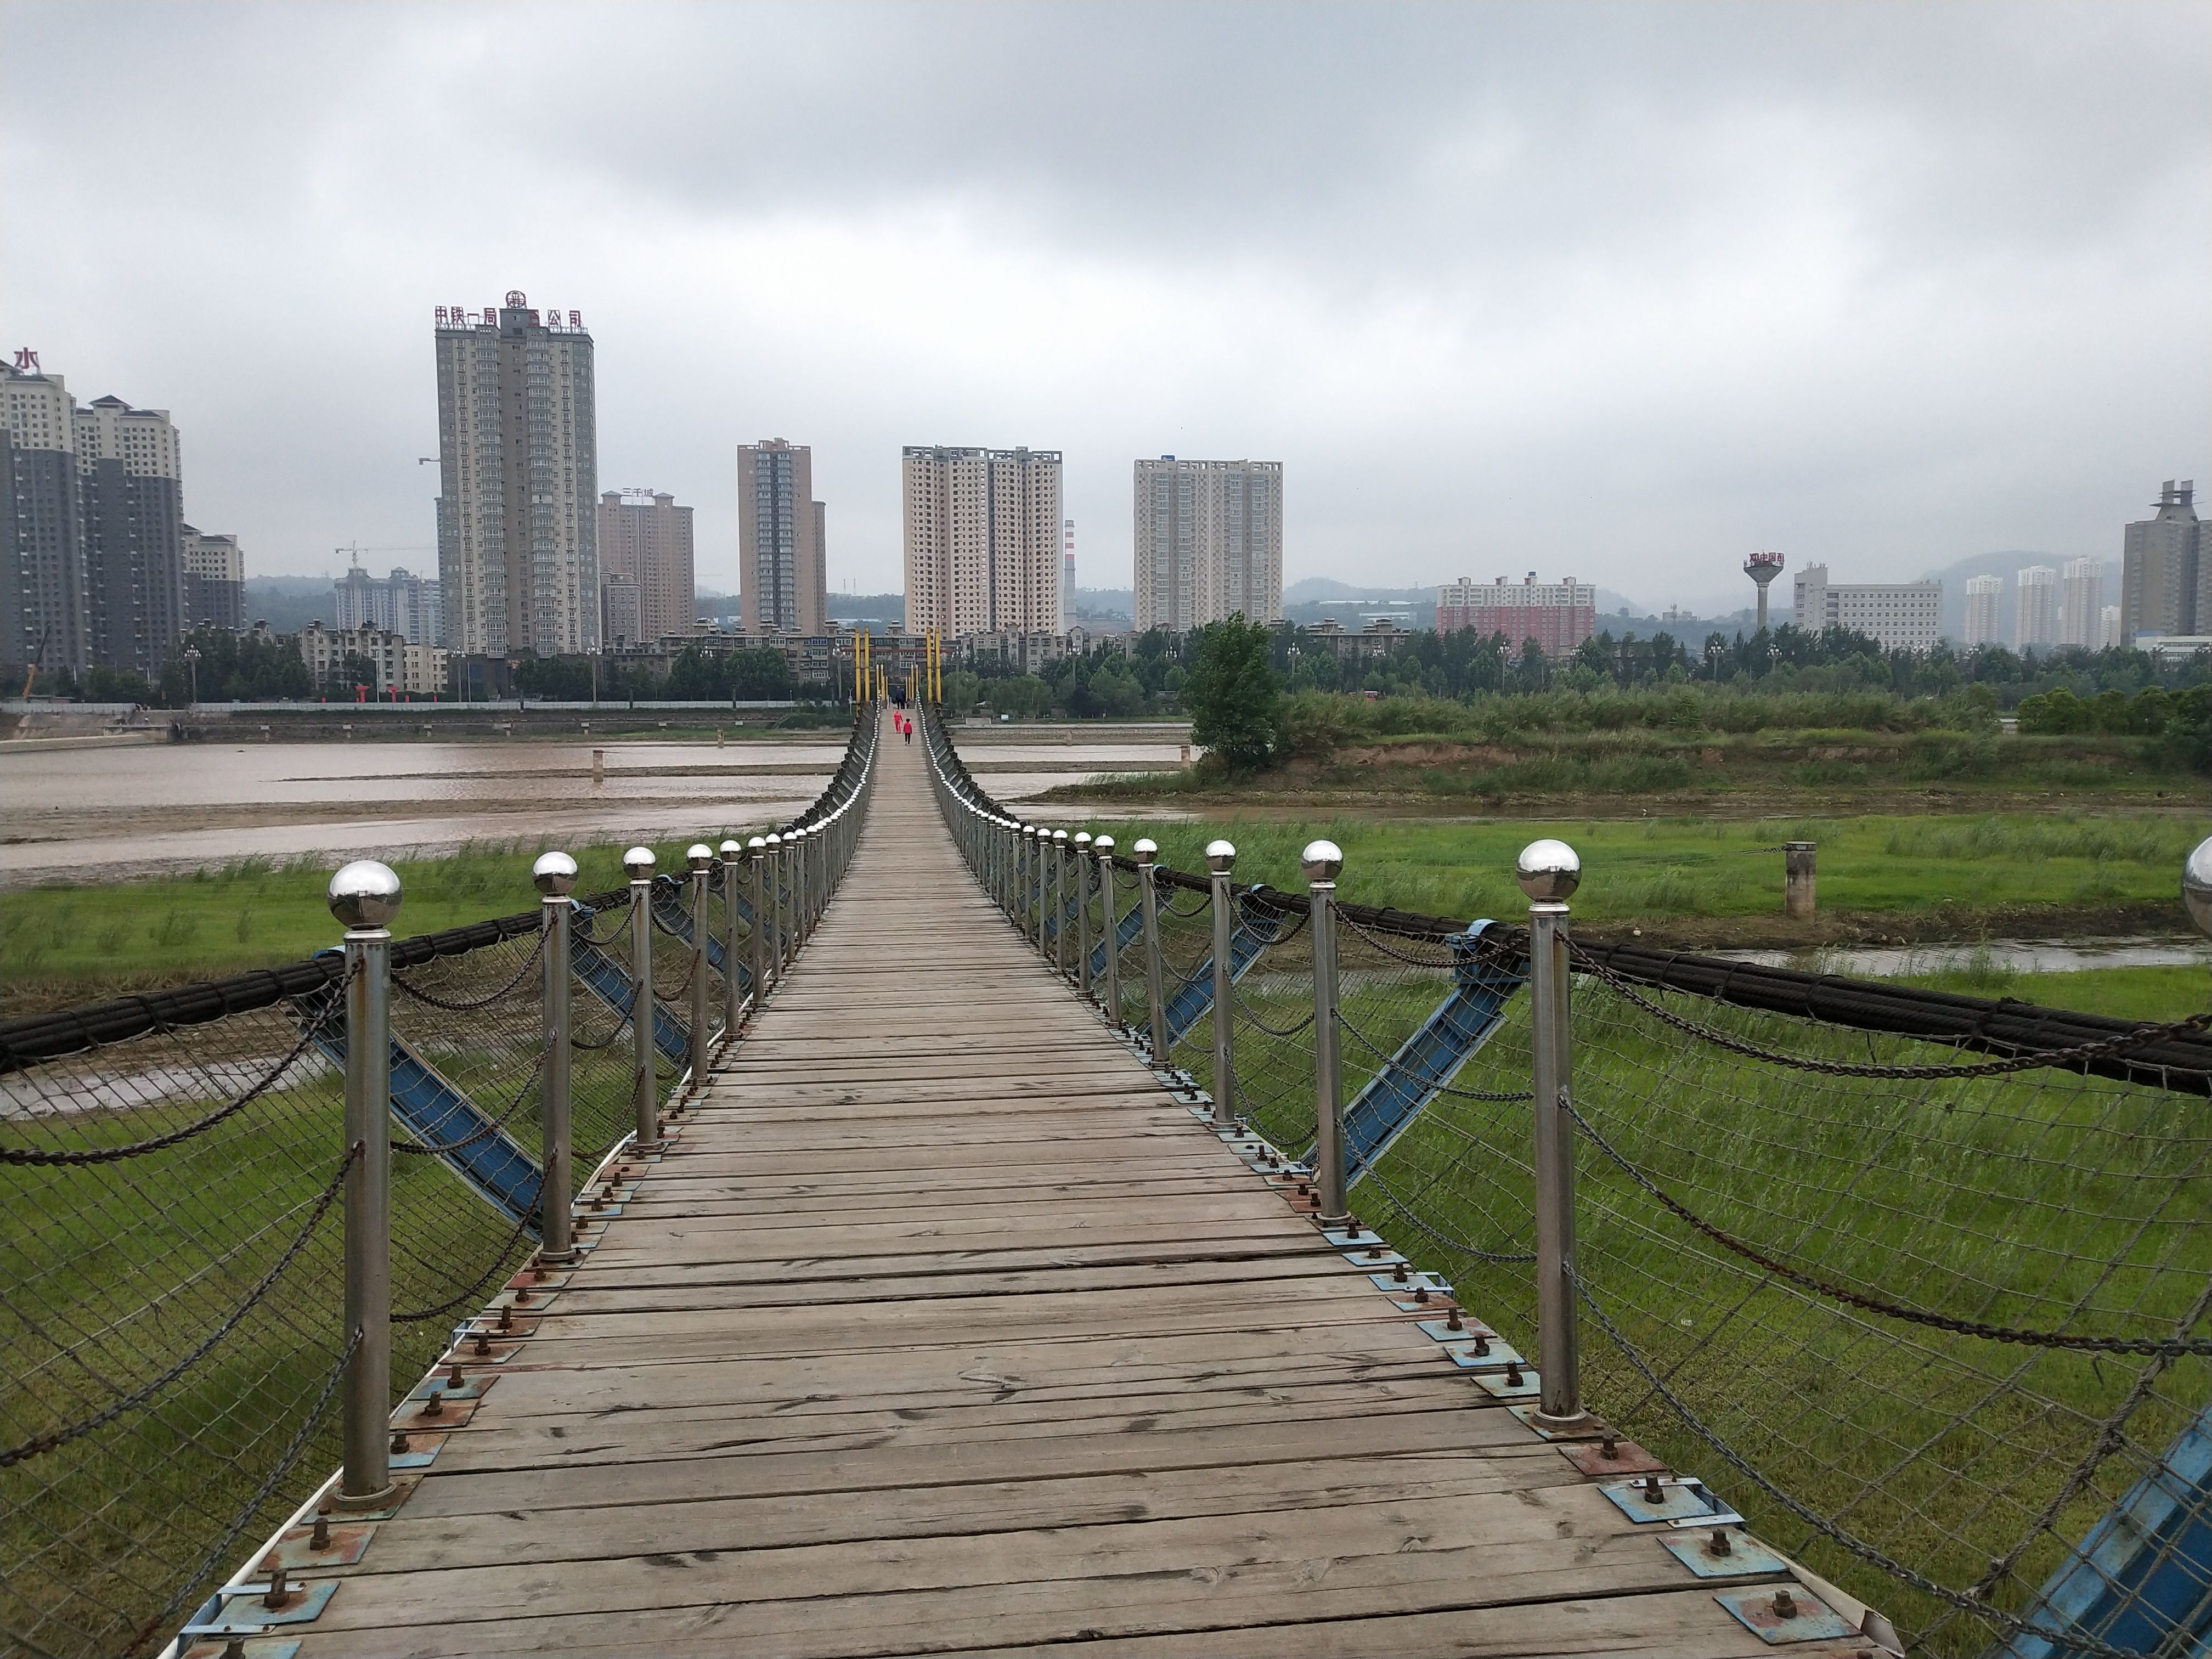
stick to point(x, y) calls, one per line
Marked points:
point(943, 1327)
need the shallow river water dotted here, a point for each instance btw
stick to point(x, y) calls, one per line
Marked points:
point(70, 812)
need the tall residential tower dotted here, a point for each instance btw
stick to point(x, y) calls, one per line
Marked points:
point(645, 537)
point(982, 539)
point(1209, 542)
point(2164, 586)
point(130, 476)
point(517, 471)
point(43, 617)
point(783, 580)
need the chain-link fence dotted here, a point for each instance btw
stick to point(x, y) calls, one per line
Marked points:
point(1922, 1285)
point(170, 1172)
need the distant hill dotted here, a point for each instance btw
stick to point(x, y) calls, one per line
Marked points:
point(289, 604)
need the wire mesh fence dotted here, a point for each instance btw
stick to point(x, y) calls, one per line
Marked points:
point(1930, 1307)
point(170, 1167)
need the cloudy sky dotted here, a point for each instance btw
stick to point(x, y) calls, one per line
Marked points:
point(1621, 291)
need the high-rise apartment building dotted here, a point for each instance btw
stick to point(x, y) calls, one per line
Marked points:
point(645, 535)
point(44, 616)
point(1897, 615)
point(2166, 581)
point(402, 603)
point(2082, 603)
point(130, 478)
point(982, 532)
point(783, 578)
point(1066, 574)
point(1209, 542)
point(622, 611)
point(2035, 608)
point(518, 474)
point(1559, 616)
point(214, 580)
point(1985, 598)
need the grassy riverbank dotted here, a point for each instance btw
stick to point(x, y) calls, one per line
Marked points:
point(68, 943)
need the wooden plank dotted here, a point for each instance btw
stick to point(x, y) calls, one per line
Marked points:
point(942, 1326)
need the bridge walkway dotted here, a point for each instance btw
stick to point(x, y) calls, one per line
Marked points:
point(944, 1328)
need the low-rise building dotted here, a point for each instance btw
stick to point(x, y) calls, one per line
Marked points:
point(1897, 616)
point(401, 666)
point(1559, 616)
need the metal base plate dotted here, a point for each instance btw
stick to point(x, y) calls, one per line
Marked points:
point(1810, 1619)
point(242, 1613)
point(1530, 1386)
point(1495, 1357)
point(348, 1542)
point(1746, 1556)
point(1470, 1330)
point(1590, 1428)
point(1628, 1458)
point(1684, 1500)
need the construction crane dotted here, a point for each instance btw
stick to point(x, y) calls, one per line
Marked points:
point(38, 657)
point(356, 549)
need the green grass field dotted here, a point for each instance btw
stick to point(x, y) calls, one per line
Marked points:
point(56, 940)
point(1653, 869)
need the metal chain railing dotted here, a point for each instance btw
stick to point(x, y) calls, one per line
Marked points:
point(2024, 1196)
point(169, 1320)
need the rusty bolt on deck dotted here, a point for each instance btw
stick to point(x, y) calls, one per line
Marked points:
point(279, 1593)
point(1718, 1543)
point(399, 1440)
point(321, 1538)
point(1785, 1605)
point(435, 1403)
point(1651, 1489)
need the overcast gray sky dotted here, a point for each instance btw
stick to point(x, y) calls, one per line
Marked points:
point(1620, 291)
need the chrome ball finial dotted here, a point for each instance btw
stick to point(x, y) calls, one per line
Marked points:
point(1220, 857)
point(1060, 837)
point(365, 894)
point(2197, 885)
point(699, 856)
point(638, 862)
point(758, 844)
point(553, 874)
point(1322, 861)
point(732, 851)
point(1146, 850)
point(1083, 840)
point(774, 841)
point(1103, 844)
point(1548, 871)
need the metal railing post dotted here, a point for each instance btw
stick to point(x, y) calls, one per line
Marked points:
point(733, 995)
point(1324, 862)
point(797, 841)
point(775, 939)
point(555, 877)
point(1102, 848)
point(645, 1085)
point(1033, 886)
point(1059, 901)
point(756, 852)
point(701, 858)
point(1220, 859)
point(1549, 872)
point(365, 895)
point(1082, 848)
point(1147, 850)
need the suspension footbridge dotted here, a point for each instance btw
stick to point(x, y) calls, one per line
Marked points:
point(995, 1241)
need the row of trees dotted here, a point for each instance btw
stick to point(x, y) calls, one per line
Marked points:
point(696, 675)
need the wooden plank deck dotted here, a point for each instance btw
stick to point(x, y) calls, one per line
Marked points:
point(943, 1329)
